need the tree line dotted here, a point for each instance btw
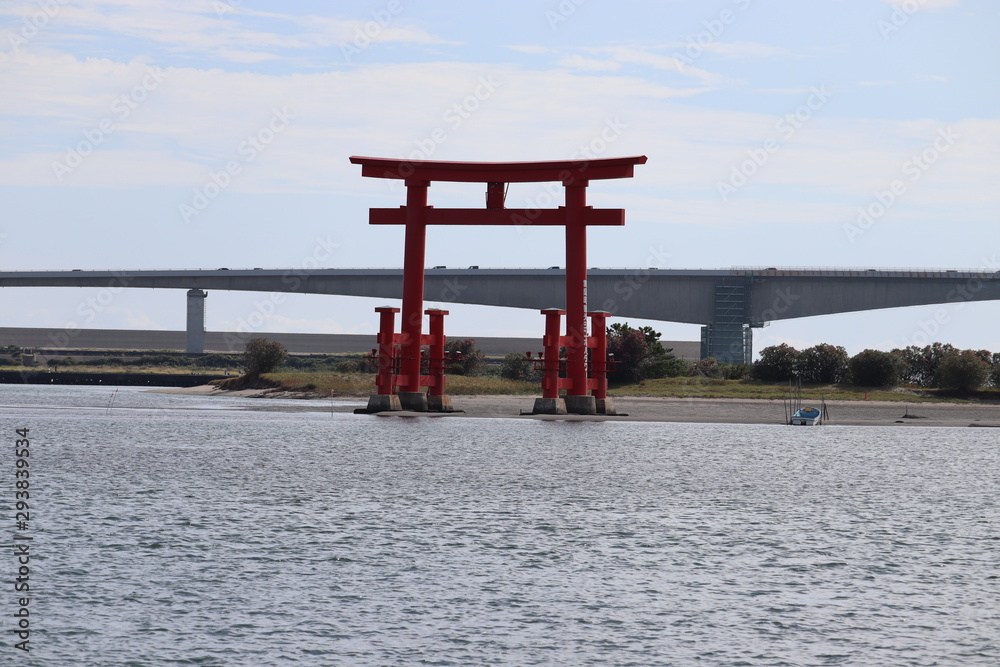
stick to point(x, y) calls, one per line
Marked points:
point(938, 365)
point(639, 355)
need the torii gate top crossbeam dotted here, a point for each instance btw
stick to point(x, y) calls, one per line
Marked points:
point(566, 171)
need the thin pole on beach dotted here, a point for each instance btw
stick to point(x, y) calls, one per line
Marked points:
point(111, 402)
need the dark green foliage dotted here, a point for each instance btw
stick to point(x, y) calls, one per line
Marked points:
point(776, 364)
point(664, 364)
point(822, 364)
point(638, 355)
point(965, 371)
point(516, 366)
point(707, 368)
point(736, 371)
point(467, 359)
point(361, 365)
point(158, 360)
point(263, 356)
point(874, 368)
point(15, 352)
point(628, 348)
point(217, 360)
point(108, 361)
point(920, 364)
point(317, 362)
point(930, 366)
point(714, 369)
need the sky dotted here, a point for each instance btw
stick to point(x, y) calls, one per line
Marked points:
point(779, 133)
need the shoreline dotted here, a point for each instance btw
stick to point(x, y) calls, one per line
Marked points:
point(658, 409)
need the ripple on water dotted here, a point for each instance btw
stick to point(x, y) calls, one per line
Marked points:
point(242, 536)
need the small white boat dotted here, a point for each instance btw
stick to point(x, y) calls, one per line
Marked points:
point(807, 417)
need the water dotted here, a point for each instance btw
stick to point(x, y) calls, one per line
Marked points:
point(188, 530)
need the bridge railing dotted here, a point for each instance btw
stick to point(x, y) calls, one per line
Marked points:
point(870, 272)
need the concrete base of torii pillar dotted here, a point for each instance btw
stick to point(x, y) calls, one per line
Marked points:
point(382, 403)
point(581, 405)
point(549, 406)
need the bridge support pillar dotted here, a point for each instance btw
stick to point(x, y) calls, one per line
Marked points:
point(728, 343)
point(728, 338)
point(196, 321)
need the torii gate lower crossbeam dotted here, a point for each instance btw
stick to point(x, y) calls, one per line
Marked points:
point(575, 216)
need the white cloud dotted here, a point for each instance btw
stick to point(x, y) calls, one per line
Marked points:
point(924, 4)
point(611, 58)
point(241, 56)
point(576, 61)
point(199, 27)
point(735, 50)
point(531, 49)
point(196, 120)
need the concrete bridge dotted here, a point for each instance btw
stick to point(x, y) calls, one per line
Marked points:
point(728, 303)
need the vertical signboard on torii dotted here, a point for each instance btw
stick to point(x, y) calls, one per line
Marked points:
point(402, 374)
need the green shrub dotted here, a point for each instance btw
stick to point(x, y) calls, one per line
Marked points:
point(361, 365)
point(736, 371)
point(263, 356)
point(707, 368)
point(874, 368)
point(822, 364)
point(466, 358)
point(516, 366)
point(962, 372)
point(777, 363)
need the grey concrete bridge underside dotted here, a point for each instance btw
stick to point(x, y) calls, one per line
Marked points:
point(726, 302)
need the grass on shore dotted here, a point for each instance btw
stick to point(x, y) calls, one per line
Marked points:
point(688, 387)
point(321, 383)
point(343, 384)
point(353, 384)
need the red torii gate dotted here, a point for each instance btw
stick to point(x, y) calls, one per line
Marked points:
point(575, 216)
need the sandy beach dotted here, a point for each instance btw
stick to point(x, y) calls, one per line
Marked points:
point(701, 410)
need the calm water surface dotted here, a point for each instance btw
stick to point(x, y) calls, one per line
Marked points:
point(188, 530)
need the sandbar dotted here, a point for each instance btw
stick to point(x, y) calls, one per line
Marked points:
point(658, 409)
